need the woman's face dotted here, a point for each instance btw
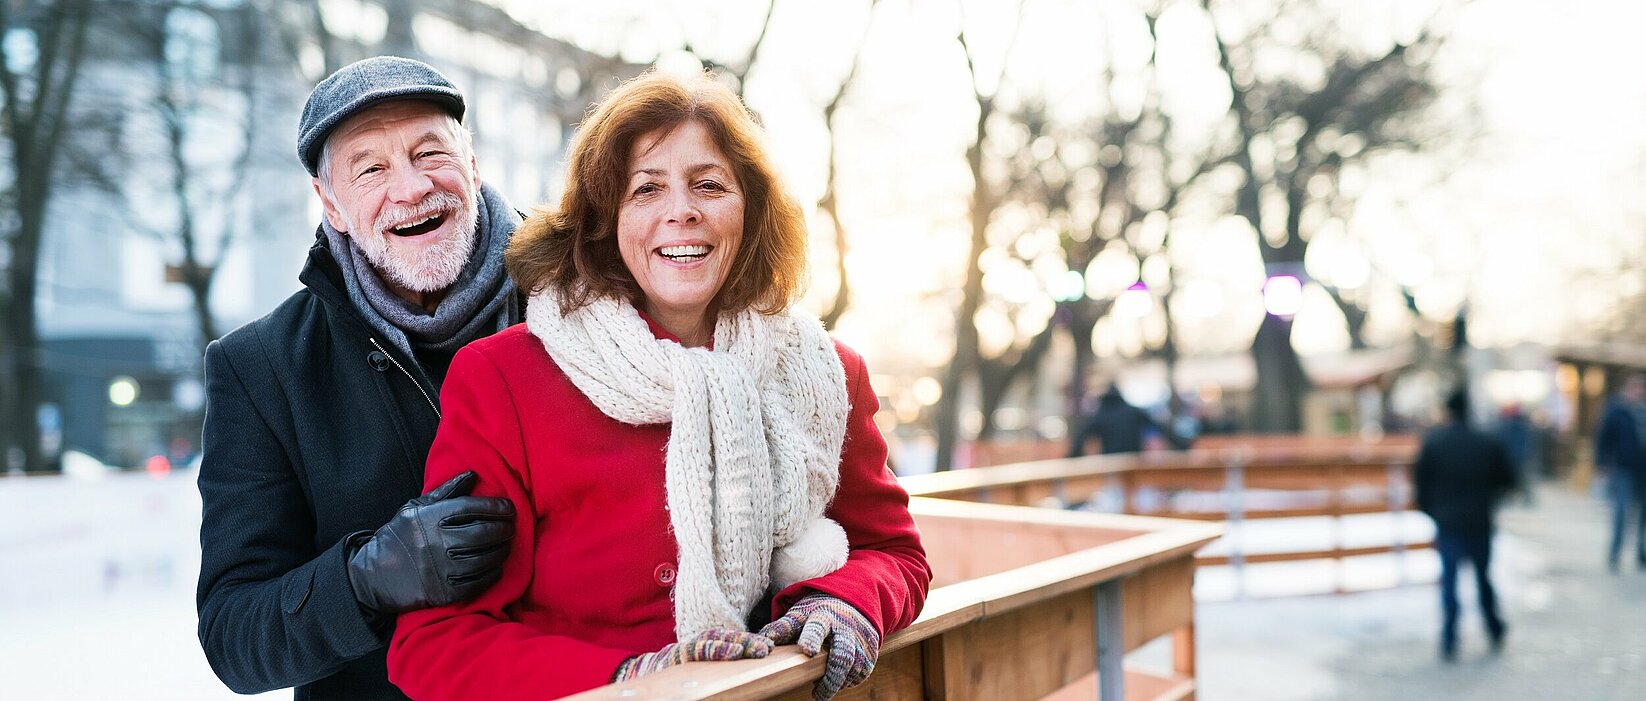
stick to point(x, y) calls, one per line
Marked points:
point(679, 225)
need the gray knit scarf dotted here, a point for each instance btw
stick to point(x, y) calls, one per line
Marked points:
point(482, 301)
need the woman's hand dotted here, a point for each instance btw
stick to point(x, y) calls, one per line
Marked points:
point(854, 646)
point(713, 645)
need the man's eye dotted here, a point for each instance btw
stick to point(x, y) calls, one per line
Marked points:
point(369, 170)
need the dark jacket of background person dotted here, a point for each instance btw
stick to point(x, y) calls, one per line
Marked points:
point(315, 433)
point(1120, 426)
point(1459, 476)
point(1617, 445)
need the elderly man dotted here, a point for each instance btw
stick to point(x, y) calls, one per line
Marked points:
point(320, 415)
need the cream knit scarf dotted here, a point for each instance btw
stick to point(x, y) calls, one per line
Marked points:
point(754, 450)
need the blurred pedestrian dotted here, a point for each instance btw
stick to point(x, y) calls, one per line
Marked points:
point(320, 415)
point(1519, 439)
point(1460, 476)
point(1620, 456)
point(1118, 426)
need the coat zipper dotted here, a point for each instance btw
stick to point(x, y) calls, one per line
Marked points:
point(408, 375)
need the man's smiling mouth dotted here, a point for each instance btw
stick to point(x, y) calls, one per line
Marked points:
point(421, 226)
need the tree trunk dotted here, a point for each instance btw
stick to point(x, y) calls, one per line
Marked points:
point(397, 36)
point(35, 121)
point(966, 353)
point(997, 377)
point(1277, 401)
point(23, 336)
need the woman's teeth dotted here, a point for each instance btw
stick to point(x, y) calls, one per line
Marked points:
point(684, 254)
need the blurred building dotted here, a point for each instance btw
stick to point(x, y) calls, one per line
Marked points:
point(199, 101)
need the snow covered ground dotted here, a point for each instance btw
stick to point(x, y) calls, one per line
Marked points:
point(97, 594)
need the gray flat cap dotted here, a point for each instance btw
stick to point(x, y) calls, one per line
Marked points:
point(362, 84)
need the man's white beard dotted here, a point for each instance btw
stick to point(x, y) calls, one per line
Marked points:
point(425, 269)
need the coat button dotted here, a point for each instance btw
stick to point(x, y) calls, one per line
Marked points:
point(378, 360)
point(664, 574)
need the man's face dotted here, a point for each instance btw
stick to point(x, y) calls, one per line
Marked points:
point(403, 187)
point(1634, 389)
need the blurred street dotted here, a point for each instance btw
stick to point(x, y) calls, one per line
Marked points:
point(1575, 631)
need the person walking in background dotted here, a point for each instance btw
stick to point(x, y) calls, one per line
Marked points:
point(319, 416)
point(1118, 426)
point(1460, 476)
point(1519, 440)
point(1620, 456)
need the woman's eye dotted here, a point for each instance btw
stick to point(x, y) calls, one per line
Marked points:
point(711, 186)
point(645, 189)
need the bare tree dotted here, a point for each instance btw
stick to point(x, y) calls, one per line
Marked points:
point(1137, 172)
point(203, 191)
point(985, 200)
point(37, 81)
point(829, 203)
point(1292, 135)
point(738, 73)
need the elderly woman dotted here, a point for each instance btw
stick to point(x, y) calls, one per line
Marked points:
point(690, 457)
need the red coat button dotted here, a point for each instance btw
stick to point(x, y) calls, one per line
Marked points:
point(664, 574)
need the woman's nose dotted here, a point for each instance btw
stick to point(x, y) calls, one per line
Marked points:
point(683, 207)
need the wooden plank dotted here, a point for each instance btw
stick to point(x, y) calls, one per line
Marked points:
point(784, 670)
point(1087, 568)
point(1345, 510)
point(1183, 650)
point(976, 610)
point(962, 549)
point(1023, 654)
point(898, 675)
point(1140, 686)
point(1256, 558)
point(954, 482)
point(1158, 600)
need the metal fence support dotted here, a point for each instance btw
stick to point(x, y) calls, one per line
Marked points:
point(1234, 490)
point(1111, 645)
point(1397, 515)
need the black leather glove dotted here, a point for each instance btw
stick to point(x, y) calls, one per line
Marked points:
point(442, 547)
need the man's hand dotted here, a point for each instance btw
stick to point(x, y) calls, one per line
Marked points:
point(713, 645)
point(442, 547)
point(854, 645)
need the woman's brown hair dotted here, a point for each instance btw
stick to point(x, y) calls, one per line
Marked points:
point(573, 249)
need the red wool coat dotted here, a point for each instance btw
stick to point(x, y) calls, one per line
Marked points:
point(589, 575)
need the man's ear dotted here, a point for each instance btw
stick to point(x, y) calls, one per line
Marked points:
point(333, 215)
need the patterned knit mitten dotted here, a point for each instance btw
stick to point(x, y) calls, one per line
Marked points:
point(853, 648)
point(713, 645)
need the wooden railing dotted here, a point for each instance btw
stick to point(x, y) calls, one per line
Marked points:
point(1269, 477)
point(1026, 604)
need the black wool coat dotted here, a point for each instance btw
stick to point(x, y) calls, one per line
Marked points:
point(1459, 477)
point(315, 430)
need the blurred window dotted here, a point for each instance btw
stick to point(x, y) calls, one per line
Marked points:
point(193, 48)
